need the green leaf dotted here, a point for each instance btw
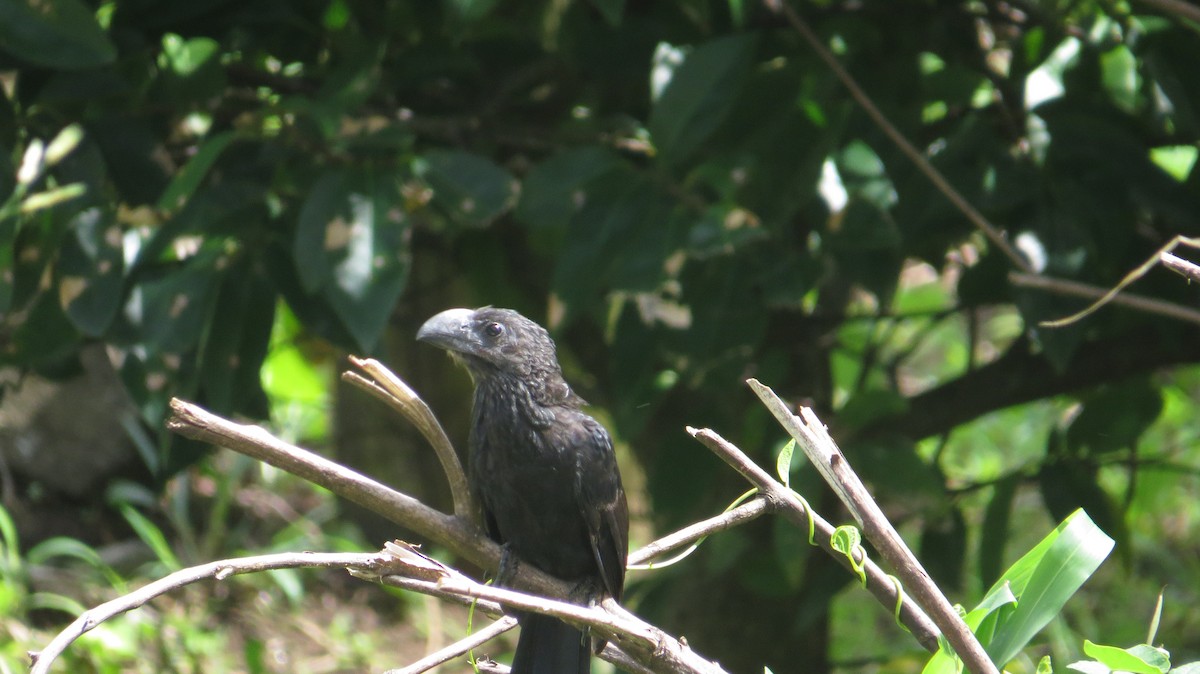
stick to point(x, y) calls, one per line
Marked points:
point(90, 271)
point(1045, 578)
point(783, 463)
point(60, 34)
point(554, 191)
point(1114, 418)
point(351, 246)
point(996, 529)
point(152, 536)
point(233, 353)
point(172, 310)
point(45, 339)
point(185, 182)
point(699, 94)
point(1138, 660)
point(185, 57)
point(469, 190)
point(618, 240)
point(1176, 160)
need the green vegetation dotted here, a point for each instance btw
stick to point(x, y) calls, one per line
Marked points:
point(216, 201)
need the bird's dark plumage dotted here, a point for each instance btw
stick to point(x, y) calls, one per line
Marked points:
point(543, 471)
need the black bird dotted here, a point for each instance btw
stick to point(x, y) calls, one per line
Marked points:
point(543, 471)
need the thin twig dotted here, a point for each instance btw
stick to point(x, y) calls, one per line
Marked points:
point(458, 648)
point(456, 533)
point(400, 396)
point(935, 176)
point(624, 631)
point(789, 504)
point(694, 532)
point(1112, 294)
point(219, 570)
point(1185, 268)
point(811, 436)
point(1141, 303)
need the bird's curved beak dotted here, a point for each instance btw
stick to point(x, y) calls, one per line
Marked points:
point(450, 330)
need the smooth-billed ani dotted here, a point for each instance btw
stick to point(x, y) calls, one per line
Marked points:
point(543, 471)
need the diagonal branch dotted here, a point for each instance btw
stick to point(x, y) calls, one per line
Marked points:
point(931, 172)
point(789, 504)
point(823, 453)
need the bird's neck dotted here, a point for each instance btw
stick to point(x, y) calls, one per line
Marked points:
point(534, 401)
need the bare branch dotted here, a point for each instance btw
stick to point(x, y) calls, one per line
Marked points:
point(694, 532)
point(458, 648)
point(810, 435)
point(788, 503)
point(1146, 304)
point(219, 570)
point(610, 621)
point(1185, 268)
point(1141, 303)
point(462, 538)
point(400, 396)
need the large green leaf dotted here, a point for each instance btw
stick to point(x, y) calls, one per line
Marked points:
point(618, 240)
point(700, 92)
point(553, 192)
point(90, 271)
point(1045, 578)
point(172, 309)
point(234, 351)
point(351, 246)
point(59, 34)
point(468, 189)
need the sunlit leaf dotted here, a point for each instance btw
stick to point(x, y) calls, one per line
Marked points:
point(1045, 578)
point(1137, 660)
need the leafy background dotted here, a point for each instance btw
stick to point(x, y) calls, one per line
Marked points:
point(214, 200)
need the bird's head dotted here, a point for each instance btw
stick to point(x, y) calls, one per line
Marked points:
point(494, 341)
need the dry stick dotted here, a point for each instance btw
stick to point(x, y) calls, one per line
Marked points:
point(458, 648)
point(788, 503)
point(455, 533)
point(217, 570)
point(935, 176)
point(1112, 294)
point(461, 538)
point(1142, 303)
point(622, 629)
point(1189, 270)
point(690, 534)
point(811, 436)
point(397, 394)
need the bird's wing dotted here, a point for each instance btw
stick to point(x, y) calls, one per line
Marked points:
point(602, 502)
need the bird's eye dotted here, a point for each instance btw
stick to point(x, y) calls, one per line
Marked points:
point(493, 330)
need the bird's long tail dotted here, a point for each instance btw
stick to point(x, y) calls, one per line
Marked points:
point(550, 646)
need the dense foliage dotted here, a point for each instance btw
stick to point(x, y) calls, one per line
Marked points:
point(687, 194)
